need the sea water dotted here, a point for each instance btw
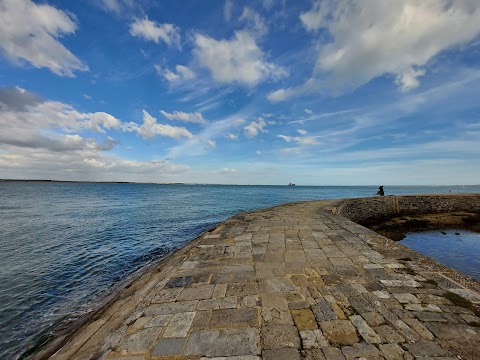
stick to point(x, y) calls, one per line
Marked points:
point(63, 245)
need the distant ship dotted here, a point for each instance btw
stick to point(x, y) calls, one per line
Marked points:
point(291, 184)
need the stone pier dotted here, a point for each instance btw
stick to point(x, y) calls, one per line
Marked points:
point(290, 282)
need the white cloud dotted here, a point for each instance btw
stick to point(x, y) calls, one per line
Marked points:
point(308, 111)
point(299, 140)
point(232, 136)
point(30, 32)
point(255, 127)
point(181, 73)
point(302, 132)
point(228, 171)
point(236, 60)
point(372, 38)
point(195, 117)
point(227, 10)
point(150, 128)
point(255, 23)
point(150, 30)
point(117, 6)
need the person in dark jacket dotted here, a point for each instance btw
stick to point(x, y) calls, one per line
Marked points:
point(380, 191)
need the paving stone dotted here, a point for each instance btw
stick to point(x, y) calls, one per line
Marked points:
point(275, 300)
point(234, 318)
point(276, 285)
point(367, 333)
point(426, 348)
point(323, 311)
point(281, 354)
point(339, 332)
point(167, 295)
point(373, 318)
point(392, 351)
point(406, 331)
point(179, 325)
point(196, 293)
point(171, 308)
point(229, 302)
point(219, 291)
point(213, 343)
point(275, 336)
point(450, 331)
point(141, 341)
point(332, 353)
point(242, 357)
point(168, 347)
point(407, 298)
point(313, 339)
point(312, 354)
point(304, 319)
point(388, 334)
point(276, 316)
point(242, 289)
point(360, 350)
point(179, 282)
point(423, 307)
point(419, 328)
point(160, 320)
point(201, 321)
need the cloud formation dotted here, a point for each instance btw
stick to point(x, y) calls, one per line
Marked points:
point(181, 73)
point(372, 38)
point(30, 32)
point(152, 31)
point(195, 117)
point(237, 60)
point(150, 128)
point(255, 127)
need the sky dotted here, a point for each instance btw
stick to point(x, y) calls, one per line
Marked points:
point(343, 92)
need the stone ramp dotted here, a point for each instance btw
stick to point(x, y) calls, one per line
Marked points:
point(290, 282)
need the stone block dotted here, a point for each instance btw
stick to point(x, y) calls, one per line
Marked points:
point(323, 311)
point(406, 298)
point(160, 320)
point(368, 334)
point(389, 335)
point(196, 293)
point(313, 339)
point(275, 300)
point(168, 347)
point(141, 341)
point(281, 354)
point(373, 318)
point(312, 354)
point(360, 350)
point(234, 318)
point(339, 332)
point(280, 336)
point(171, 308)
point(167, 295)
point(182, 281)
point(275, 316)
point(229, 302)
point(304, 319)
point(423, 307)
point(225, 343)
point(242, 289)
point(333, 353)
point(426, 348)
point(276, 285)
point(392, 351)
point(179, 325)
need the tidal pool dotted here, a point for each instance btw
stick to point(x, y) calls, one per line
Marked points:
point(458, 249)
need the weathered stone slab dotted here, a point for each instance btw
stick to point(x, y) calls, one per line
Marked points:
point(360, 350)
point(367, 333)
point(281, 354)
point(170, 308)
point(392, 351)
point(304, 319)
point(234, 318)
point(280, 336)
point(141, 341)
point(168, 347)
point(323, 311)
point(313, 339)
point(179, 325)
point(339, 332)
point(426, 348)
point(276, 285)
point(213, 343)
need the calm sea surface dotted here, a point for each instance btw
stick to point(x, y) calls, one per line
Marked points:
point(459, 249)
point(63, 245)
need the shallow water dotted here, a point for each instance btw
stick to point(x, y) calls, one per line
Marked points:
point(64, 244)
point(458, 249)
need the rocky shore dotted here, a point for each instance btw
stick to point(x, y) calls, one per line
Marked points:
point(297, 281)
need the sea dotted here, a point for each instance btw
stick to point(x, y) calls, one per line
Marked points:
point(64, 246)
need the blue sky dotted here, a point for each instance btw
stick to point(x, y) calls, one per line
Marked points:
point(255, 92)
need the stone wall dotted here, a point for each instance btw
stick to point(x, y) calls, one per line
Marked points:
point(384, 207)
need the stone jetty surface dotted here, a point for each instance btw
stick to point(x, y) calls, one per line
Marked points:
point(290, 282)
